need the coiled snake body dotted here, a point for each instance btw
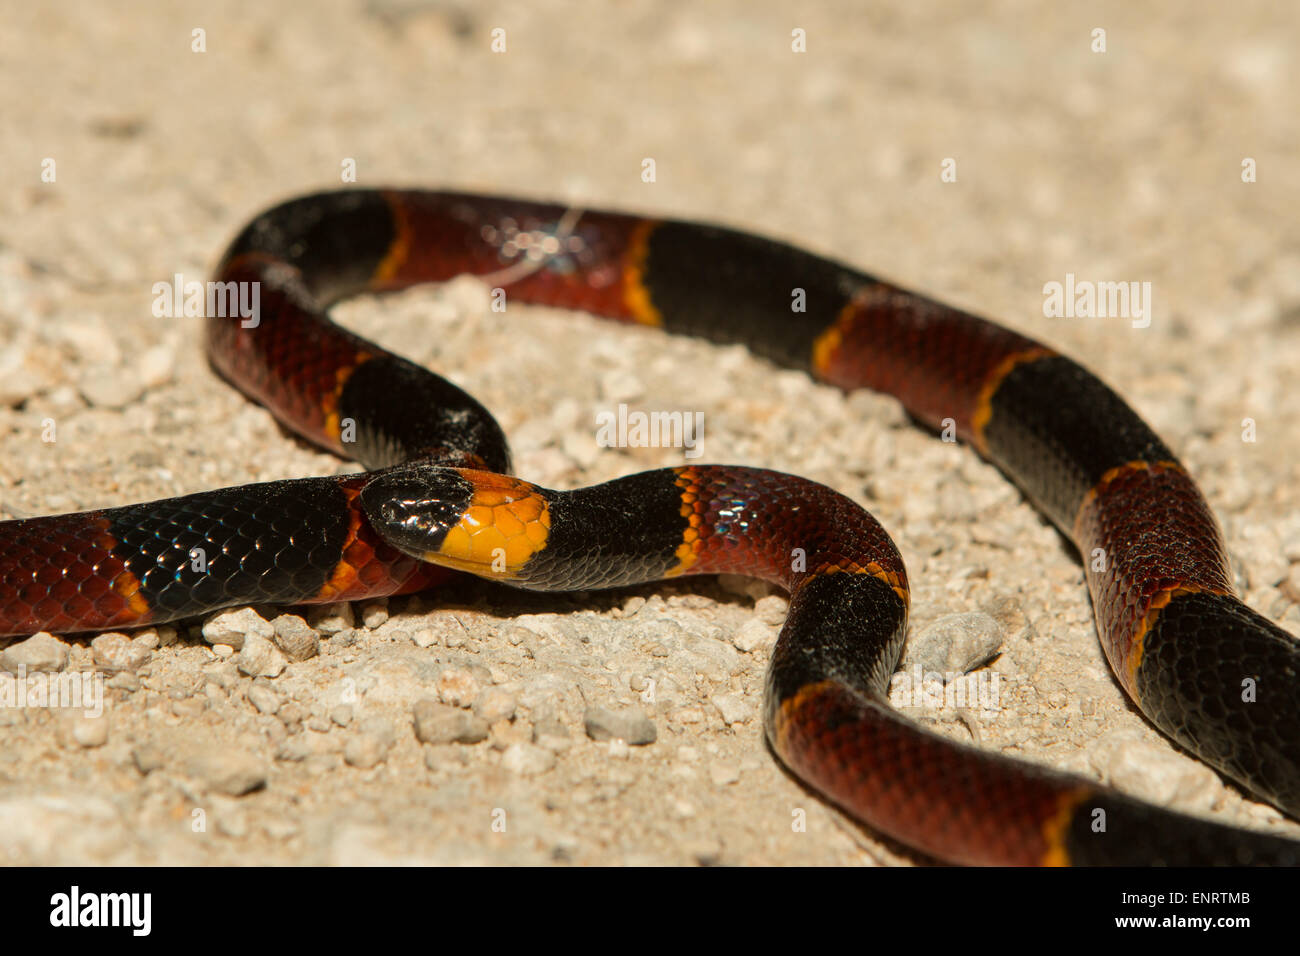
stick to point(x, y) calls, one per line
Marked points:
point(1180, 642)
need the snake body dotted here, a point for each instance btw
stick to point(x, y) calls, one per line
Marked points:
point(1216, 677)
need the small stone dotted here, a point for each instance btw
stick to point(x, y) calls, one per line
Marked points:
point(457, 687)
point(224, 675)
point(232, 822)
point(705, 852)
point(381, 728)
point(264, 698)
point(425, 637)
point(504, 733)
point(123, 681)
point(439, 724)
point(232, 772)
point(148, 758)
point(148, 639)
point(189, 708)
point(346, 637)
point(1156, 774)
point(527, 760)
point(374, 614)
point(1262, 555)
point(618, 385)
point(90, 731)
point(333, 618)
point(618, 749)
point(278, 828)
point(292, 714)
point(42, 652)
point(516, 635)
point(772, 610)
point(231, 627)
point(223, 651)
point(320, 764)
point(80, 658)
point(342, 714)
point(955, 644)
point(21, 376)
point(292, 635)
point(743, 586)
point(117, 652)
point(495, 704)
point(432, 758)
point(110, 388)
point(628, 724)
point(552, 735)
point(260, 658)
point(294, 749)
point(732, 707)
point(723, 774)
point(178, 687)
point(364, 751)
point(155, 364)
point(753, 634)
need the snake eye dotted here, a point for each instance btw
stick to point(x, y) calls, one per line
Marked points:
point(413, 508)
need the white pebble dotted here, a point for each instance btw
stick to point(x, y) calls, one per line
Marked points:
point(333, 618)
point(232, 772)
point(527, 760)
point(264, 698)
point(230, 627)
point(495, 704)
point(90, 731)
point(260, 658)
point(374, 614)
point(457, 687)
point(752, 635)
point(364, 751)
point(732, 707)
point(292, 635)
point(425, 637)
point(117, 652)
point(40, 652)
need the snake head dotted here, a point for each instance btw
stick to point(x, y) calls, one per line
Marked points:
point(477, 521)
point(413, 507)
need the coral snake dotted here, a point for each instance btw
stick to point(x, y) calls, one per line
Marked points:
point(1182, 645)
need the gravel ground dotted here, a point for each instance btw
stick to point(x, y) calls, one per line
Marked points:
point(623, 727)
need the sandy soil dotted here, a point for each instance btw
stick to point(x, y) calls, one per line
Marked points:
point(1122, 165)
